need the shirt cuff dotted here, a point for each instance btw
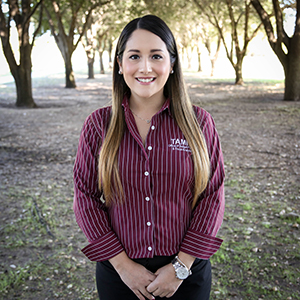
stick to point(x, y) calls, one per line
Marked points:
point(200, 245)
point(104, 248)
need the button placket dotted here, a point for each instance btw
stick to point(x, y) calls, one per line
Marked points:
point(147, 195)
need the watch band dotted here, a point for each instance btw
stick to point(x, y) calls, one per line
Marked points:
point(180, 261)
point(179, 266)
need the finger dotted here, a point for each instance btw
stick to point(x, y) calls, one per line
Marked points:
point(151, 288)
point(139, 295)
point(156, 292)
point(162, 295)
point(147, 294)
point(169, 295)
point(152, 277)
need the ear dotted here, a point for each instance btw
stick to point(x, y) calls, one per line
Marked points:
point(120, 64)
point(172, 70)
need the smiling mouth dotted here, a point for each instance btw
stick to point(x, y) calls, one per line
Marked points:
point(145, 80)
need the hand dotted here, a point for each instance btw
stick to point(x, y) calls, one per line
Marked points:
point(134, 275)
point(166, 282)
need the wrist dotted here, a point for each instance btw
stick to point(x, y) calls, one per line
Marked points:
point(186, 259)
point(120, 261)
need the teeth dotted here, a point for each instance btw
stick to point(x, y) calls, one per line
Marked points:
point(145, 80)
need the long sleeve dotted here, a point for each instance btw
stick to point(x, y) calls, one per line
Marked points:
point(200, 239)
point(90, 212)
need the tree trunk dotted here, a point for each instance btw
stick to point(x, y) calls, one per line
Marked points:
point(215, 57)
point(213, 64)
point(238, 75)
point(91, 74)
point(65, 45)
point(189, 58)
point(101, 62)
point(199, 61)
point(291, 60)
point(22, 72)
point(292, 73)
point(23, 78)
point(90, 53)
point(238, 69)
point(70, 78)
point(24, 90)
point(110, 49)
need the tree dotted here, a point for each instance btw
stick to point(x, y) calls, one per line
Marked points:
point(21, 13)
point(67, 14)
point(89, 44)
point(104, 26)
point(237, 17)
point(286, 48)
point(213, 55)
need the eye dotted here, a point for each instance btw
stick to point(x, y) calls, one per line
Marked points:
point(134, 57)
point(157, 56)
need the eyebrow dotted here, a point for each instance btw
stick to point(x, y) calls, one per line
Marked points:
point(152, 50)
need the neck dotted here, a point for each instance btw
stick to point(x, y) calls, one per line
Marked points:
point(148, 107)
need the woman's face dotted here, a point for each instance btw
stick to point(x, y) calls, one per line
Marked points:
point(145, 65)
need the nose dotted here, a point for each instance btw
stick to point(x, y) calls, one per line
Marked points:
point(145, 66)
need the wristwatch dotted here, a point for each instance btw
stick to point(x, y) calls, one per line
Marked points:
point(181, 270)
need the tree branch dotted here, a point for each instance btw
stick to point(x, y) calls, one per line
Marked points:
point(74, 18)
point(87, 19)
point(208, 16)
point(276, 46)
point(255, 31)
point(7, 50)
point(234, 34)
point(266, 22)
point(247, 13)
point(4, 30)
point(14, 11)
point(51, 23)
point(39, 25)
point(281, 34)
point(33, 11)
point(58, 16)
point(297, 23)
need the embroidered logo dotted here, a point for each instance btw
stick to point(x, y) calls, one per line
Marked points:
point(179, 145)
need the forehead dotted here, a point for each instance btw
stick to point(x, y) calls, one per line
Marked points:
point(144, 39)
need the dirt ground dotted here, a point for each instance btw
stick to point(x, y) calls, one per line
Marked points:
point(40, 241)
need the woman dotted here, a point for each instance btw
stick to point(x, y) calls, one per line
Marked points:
point(157, 162)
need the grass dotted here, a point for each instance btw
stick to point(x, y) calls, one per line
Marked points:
point(51, 265)
point(259, 258)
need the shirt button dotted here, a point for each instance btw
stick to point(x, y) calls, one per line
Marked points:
point(146, 173)
point(148, 223)
point(150, 248)
point(147, 199)
point(152, 127)
point(149, 148)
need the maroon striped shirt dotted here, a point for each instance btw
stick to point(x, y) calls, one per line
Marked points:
point(158, 181)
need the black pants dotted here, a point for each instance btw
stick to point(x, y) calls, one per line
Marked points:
point(195, 287)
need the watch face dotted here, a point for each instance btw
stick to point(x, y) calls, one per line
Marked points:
point(182, 273)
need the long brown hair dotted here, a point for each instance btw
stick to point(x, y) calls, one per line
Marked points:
point(181, 107)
